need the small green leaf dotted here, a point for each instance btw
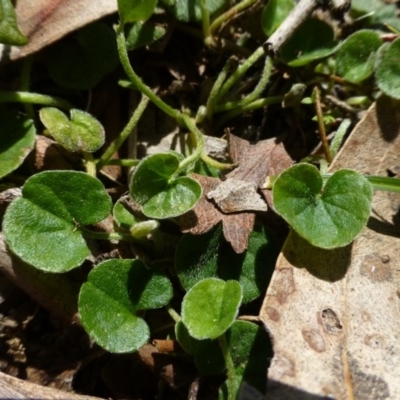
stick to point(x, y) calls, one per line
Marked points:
point(17, 139)
point(138, 10)
point(210, 307)
point(40, 227)
point(362, 7)
point(387, 72)
point(141, 34)
point(115, 291)
point(356, 56)
point(274, 14)
point(160, 194)
point(184, 339)
point(305, 46)
point(209, 255)
point(82, 133)
point(189, 10)
point(9, 32)
point(82, 60)
point(326, 217)
point(123, 217)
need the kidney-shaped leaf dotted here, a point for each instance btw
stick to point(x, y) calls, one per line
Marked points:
point(17, 139)
point(210, 307)
point(387, 71)
point(329, 217)
point(160, 194)
point(82, 133)
point(114, 292)
point(305, 46)
point(356, 56)
point(41, 226)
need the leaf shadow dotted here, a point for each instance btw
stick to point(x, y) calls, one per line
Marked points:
point(328, 265)
point(388, 117)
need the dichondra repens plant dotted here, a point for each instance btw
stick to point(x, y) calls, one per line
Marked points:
point(50, 225)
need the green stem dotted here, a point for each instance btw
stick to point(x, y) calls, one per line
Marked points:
point(89, 164)
point(121, 162)
point(254, 94)
point(205, 18)
point(214, 163)
point(214, 94)
point(229, 367)
point(229, 14)
point(237, 75)
point(34, 98)
point(106, 236)
point(384, 183)
point(25, 83)
point(250, 107)
point(174, 315)
point(321, 125)
point(139, 84)
point(116, 144)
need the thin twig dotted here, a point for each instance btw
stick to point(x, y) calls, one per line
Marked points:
point(321, 125)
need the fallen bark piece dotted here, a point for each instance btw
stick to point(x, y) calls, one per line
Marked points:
point(333, 315)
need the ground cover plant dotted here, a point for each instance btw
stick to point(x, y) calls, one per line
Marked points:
point(185, 236)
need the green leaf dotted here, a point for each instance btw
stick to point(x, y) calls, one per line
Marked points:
point(387, 72)
point(81, 61)
point(40, 227)
point(82, 133)
point(208, 357)
point(17, 139)
point(305, 46)
point(141, 34)
point(356, 56)
point(250, 349)
point(189, 10)
point(184, 339)
point(160, 194)
point(115, 291)
point(329, 217)
point(210, 307)
point(123, 217)
point(274, 14)
point(209, 255)
point(136, 10)
point(9, 32)
point(362, 7)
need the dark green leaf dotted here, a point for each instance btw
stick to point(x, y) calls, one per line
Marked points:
point(184, 339)
point(327, 218)
point(208, 357)
point(9, 32)
point(123, 217)
point(81, 61)
point(40, 227)
point(137, 10)
point(387, 71)
point(160, 194)
point(274, 14)
point(305, 46)
point(115, 290)
point(209, 255)
point(189, 10)
point(356, 56)
point(81, 133)
point(210, 307)
point(141, 34)
point(17, 139)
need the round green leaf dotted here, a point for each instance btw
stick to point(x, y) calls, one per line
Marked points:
point(326, 218)
point(82, 133)
point(40, 227)
point(138, 10)
point(141, 34)
point(274, 14)
point(387, 71)
point(209, 255)
point(160, 195)
point(210, 307)
point(115, 291)
point(9, 31)
point(356, 56)
point(17, 139)
point(81, 61)
point(189, 10)
point(305, 46)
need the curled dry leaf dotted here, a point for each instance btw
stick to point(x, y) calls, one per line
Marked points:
point(46, 21)
point(334, 314)
point(267, 157)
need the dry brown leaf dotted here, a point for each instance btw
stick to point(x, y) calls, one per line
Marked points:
point(46, 21)
point(334, 315)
